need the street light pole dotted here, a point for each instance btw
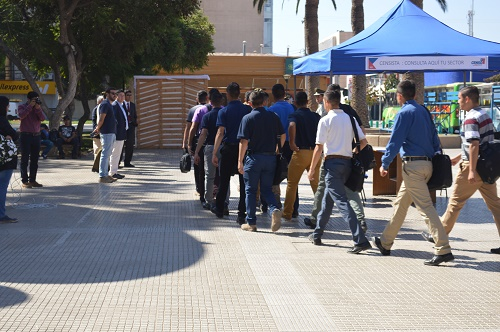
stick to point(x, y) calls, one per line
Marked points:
point(286, 77)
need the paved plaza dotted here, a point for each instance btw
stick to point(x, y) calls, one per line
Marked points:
point(142, 255)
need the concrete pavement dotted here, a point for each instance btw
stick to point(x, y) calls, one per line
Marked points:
point(142, 255)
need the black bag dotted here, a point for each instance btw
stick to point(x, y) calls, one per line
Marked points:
point(488, 161)
point(281, 171)
point(185, 163)
point(441, 173)
point(365, 156)
point(356, 179)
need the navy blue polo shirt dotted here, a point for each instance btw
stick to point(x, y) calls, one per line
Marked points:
point(230, 118)
point(306, 123)
point(109, 124)
point(209, 122)
point(261, 129)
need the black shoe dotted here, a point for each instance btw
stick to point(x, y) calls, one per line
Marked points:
point(363, 225)
point(295, 215)
point(438, 259)
point(495, 251)
point(316, 242)
point(206, 205)
point(383, 251)
point(128, 165)
point(217, 213)
point(309, 222)
point(427, 237)
point(263, 208)
point(358, 249)
point(241, 220)
point(226, 211)
point(117, 176)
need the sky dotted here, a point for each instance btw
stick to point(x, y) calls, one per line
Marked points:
point(288, 30)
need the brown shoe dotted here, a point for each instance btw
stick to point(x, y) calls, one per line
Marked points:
point(27, 185)
point(249, 228)
point(112, 178)
point(276, 220)
point(35, 184)
point(106, 179)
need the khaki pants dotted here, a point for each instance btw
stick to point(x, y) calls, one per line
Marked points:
point(462, 190)
point(414, 189)
point(300, 161)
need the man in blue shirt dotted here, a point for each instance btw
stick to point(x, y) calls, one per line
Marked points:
point(228, 121)
point(415, 138)
point(258, 134)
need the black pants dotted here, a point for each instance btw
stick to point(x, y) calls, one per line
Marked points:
point(228, 166)
point(30, 149)
point(199, 171)
point(75, 142)
point(128, 146)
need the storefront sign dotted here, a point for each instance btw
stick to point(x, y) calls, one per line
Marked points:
point(23, 87)
point(422, 63)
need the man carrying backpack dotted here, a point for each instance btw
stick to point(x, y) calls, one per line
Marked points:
point(477, 128)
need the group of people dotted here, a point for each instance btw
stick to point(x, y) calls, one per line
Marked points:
point(115, 121)
point(243, 139)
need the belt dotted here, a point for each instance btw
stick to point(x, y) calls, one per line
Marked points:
point(416, 158)
point(338, 156)
point(261, 153)
point(306, 148)
point(30, 134)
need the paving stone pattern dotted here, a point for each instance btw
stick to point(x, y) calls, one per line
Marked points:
point(142, 255)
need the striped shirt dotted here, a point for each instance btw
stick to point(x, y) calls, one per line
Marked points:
point(477, 126)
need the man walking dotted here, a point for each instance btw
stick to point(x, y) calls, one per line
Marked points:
point(258, 134)
point(228, 123)
point(31, 116)
point(302, 132)
point(106, 128)
point(415, 138)
point(335, 134)
point(128, 147)
point(477, 128)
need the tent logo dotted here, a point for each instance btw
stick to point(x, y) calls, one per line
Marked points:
point(480, 62)
point(371, 63)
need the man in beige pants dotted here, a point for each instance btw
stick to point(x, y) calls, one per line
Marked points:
point(477, 128)
point(415, 137)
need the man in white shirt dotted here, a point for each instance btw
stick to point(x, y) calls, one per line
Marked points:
point(318, 94)
point(335, 134)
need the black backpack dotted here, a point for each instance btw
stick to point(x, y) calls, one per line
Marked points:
point(489, 159)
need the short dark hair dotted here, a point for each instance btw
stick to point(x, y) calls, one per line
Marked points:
point(211, 92)
point(4, 102)
point(301, 99)
point(108, 90)
point(233, 90)
point(407, 89)
point(202, 96)
point(216, 98)
point(470, 91)
point(257, 98)
point(278, 91)
point(333, 96)
point(120, 91)
point(128, 91)
point(247, 95)
point(44, 126)
point(334, 87)
point(32, 94)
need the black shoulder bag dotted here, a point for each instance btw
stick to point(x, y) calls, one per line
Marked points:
point(281, 171)
point(442, 177)
point(356, 179)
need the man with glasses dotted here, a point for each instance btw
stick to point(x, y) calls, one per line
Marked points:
point(128, 148)
point(106, 128)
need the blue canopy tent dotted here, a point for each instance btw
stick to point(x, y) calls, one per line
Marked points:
point(404, 39)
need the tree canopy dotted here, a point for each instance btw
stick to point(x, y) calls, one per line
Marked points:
point(97, 43)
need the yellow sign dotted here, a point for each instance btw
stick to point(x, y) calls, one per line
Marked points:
point(23, 87)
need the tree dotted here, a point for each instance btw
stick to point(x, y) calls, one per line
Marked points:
point(311, 33)
point(103, 42)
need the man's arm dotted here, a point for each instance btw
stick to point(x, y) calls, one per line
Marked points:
point(217, 143)
point(292, 130)
point(100, 123)
point(192, 132)
point(185, 139)
point(473, 156)
point(201, 140)
point(241, 154)
point(318, 150)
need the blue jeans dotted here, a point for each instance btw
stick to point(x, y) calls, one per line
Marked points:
point(4, 185)
point(48, 146)
point(337, 172)
point(107, 141)
point(30, 151)
point(259, 168)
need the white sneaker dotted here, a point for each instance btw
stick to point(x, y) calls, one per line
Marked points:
point(276, 220)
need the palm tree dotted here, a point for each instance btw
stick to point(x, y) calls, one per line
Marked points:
point(311, 34)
